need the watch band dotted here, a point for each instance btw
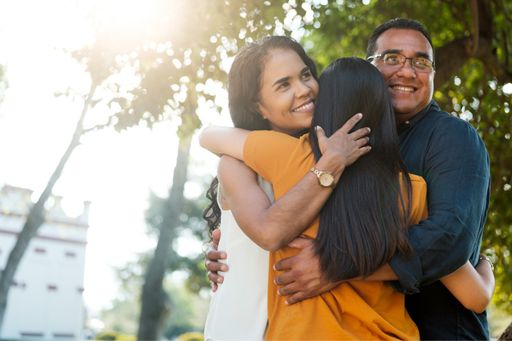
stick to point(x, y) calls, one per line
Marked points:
point(325, 178)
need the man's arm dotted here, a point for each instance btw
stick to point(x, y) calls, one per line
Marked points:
point(302, 278)
point(456, 168)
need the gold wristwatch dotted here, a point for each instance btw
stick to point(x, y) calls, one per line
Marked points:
point(325, 179)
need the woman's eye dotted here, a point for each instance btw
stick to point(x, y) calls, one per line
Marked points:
point(306, 75)
point(283, 85)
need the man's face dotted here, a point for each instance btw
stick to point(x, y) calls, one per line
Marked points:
point(410, 89)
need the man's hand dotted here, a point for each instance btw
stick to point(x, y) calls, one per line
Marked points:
point(212, 261)
point(302, 277)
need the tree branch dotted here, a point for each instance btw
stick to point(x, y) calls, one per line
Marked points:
point(475, 30)
point(99, 126)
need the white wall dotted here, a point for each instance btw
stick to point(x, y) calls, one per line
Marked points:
point(55, 258)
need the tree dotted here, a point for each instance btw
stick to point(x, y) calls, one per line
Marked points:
point(36, 213)
point(180, 302)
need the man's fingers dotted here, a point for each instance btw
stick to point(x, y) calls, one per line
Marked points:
point(215, 238)
point(295, 298)
point(288, 290)
point(347, 127)
point(285, 278)
point(215, 278)
point(214, 255)
point(284, 264)
point(216, 266)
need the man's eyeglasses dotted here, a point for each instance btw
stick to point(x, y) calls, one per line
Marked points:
point(419, 64)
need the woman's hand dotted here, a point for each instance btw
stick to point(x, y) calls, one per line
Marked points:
point(342, 148)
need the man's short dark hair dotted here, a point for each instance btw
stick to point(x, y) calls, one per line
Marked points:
point(400, 23)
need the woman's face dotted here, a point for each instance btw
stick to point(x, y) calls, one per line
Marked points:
point(288, 91)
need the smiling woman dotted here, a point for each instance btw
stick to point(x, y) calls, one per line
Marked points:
point(272, 83)
point(292, 93)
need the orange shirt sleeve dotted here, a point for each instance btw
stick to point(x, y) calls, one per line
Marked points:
point(268, 153)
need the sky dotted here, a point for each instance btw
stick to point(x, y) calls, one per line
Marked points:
point(115, 171)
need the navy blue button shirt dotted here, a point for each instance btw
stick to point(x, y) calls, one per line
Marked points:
point(450, 155)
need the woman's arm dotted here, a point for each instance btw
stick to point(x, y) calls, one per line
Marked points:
point(473, 287)
point(224, 141)
point(270, 225)
point(274, 225)
point(241, 193)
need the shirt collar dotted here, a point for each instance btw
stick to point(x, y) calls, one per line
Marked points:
point(404, 126)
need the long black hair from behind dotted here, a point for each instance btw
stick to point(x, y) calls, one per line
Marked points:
point(362, 223)
point(244, 85)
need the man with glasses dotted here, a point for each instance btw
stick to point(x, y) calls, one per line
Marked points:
point(452, 158)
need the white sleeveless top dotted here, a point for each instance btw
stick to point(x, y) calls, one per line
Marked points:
point(238, 309)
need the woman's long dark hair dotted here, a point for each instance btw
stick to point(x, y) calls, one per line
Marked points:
point(362, 224)
point(244, 85)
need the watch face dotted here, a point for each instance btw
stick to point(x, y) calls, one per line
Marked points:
point(326, 179)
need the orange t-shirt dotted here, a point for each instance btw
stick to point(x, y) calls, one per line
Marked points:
point(359, 310)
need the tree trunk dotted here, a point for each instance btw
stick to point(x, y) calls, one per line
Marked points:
point(154, 299)
point(479, 45)
point(35, 216)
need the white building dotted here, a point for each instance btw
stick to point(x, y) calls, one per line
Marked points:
point(45, 301)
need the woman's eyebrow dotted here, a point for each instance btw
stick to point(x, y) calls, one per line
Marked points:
point(287, 78)
point(281, 80)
